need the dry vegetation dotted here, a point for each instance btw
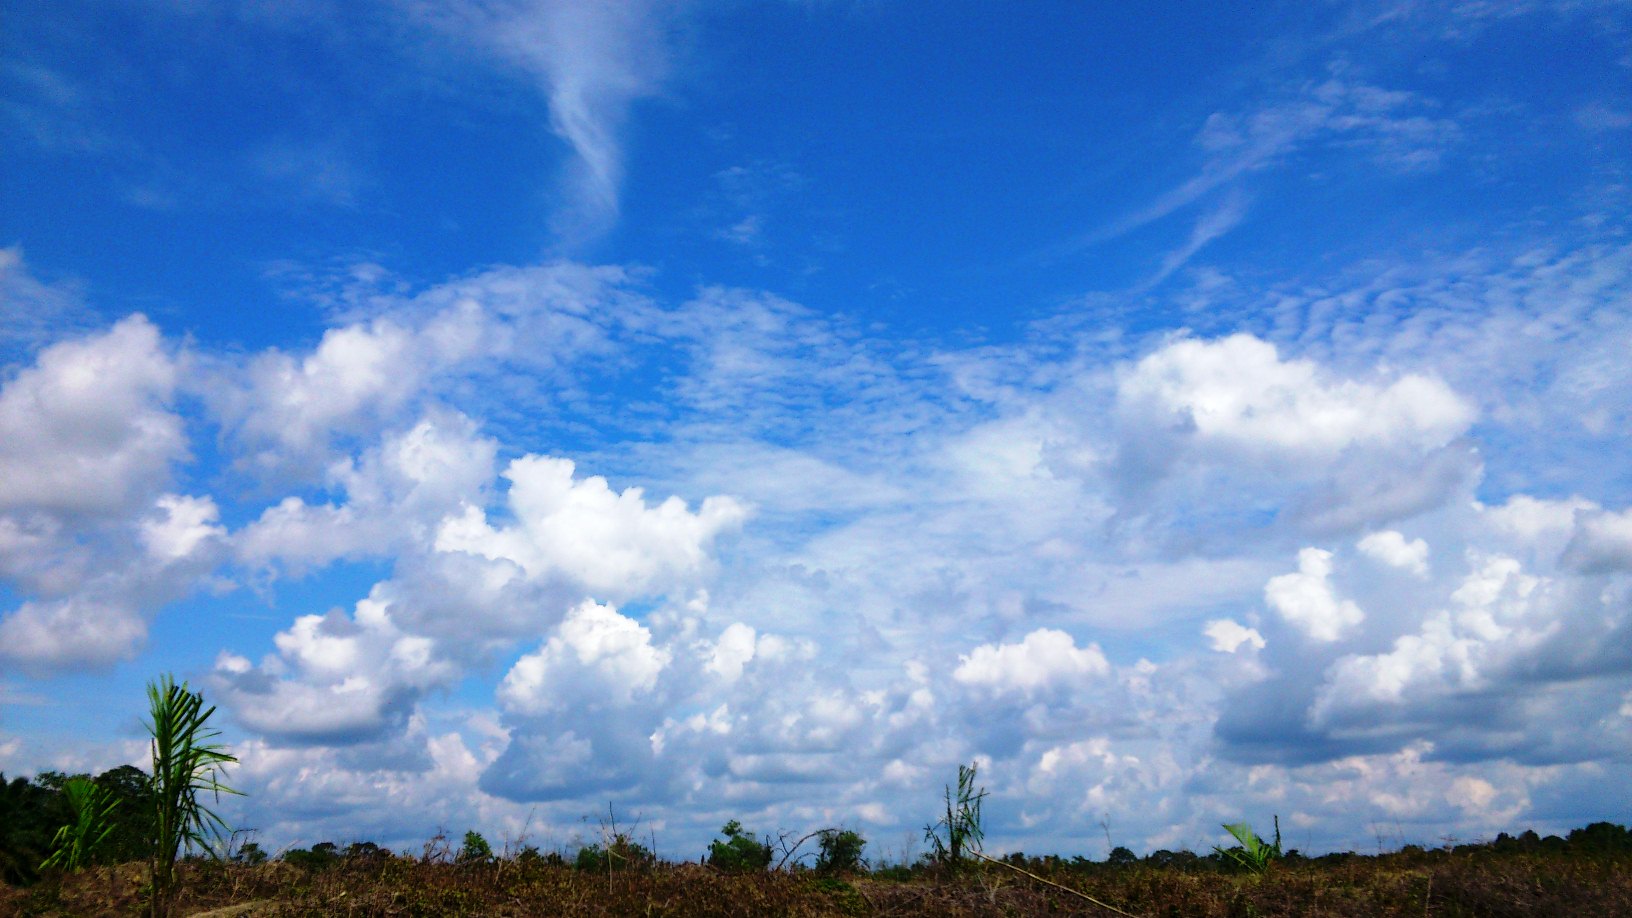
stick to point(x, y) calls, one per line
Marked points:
point(1467, 881)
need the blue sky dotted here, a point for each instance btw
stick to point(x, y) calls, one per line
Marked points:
point(754, 410)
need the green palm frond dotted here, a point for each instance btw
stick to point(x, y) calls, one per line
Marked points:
point(93, 807)
point(186, 765)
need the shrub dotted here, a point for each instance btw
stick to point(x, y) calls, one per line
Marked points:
point(475, 849)
point(840, 851)
point(621, 853)
point(739, 851)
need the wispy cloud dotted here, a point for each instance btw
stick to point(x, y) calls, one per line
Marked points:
point(593, 59)
point(1393, 128)
point(1213, 224)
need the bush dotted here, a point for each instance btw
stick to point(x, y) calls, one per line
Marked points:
point(475, 849)
point(840, 851)
point(739, 851)
point(623, 853)
point(320, 856)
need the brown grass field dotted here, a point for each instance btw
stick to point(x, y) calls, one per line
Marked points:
point(1469, 881)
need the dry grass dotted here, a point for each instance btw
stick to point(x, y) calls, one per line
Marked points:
point(1484, 883)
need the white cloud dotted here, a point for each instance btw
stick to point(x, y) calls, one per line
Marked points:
point(1228, 635)
point(1238, 391)
point(1391, 548)
point(596, 657)
point(593, 61)
point(290, 408)
point(1307, 601)
point(335, 679)
point(733, 651)
point(88, 429)
point(396, 495)
point(1602, 542)
point(613, 543)
point(70, 633)
point(181, 526)
point(1044, 658)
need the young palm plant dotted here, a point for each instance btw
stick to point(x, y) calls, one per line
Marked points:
point(93, 806)
point(185, 765)
point(961, 825)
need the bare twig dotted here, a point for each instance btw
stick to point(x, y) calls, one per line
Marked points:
point(1047, 882)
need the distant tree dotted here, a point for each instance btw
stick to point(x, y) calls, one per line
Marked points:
point(30, 812)
point(1121, 857)
point(739, 851)
point(1600, 837)
point(620, 853)
point(839, 851)
point(251, 854)
point(133, 815)
point(475, 849)
point(365, 851)
point(318, 857)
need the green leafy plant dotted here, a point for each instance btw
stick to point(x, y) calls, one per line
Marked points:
point(739, 851)
point(1253, 854)
point(475, 850)
point(959, 832)
point(186, 765)
point(619, 853)
point(92, 806)
point(839, 851)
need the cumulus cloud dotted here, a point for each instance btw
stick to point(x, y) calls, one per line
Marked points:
point(1307, 601)
point(1238, 391)
point(595, 657)
point(1044, 658)
point(73, 632)
point(289, 408)
point(611, 542)
point(89, 428)
point(336, 679)
point(180, 527)
point(1602, 542)
point(1215, 432)
point(1391, 548)
point(395, 495)
point(1228, 635)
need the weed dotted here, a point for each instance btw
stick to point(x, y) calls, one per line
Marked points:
point(1253, 854)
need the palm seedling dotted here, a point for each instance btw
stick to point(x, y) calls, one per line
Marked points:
point(92, 806)
point(186, 764)
point(959, 832)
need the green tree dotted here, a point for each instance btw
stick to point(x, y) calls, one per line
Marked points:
point(133, 817)
point(186, 765)
point(839, 851)
point(29, 811)
point(475, 850)
point(739, 851)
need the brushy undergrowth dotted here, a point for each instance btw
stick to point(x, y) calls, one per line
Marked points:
point(1468, 881)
